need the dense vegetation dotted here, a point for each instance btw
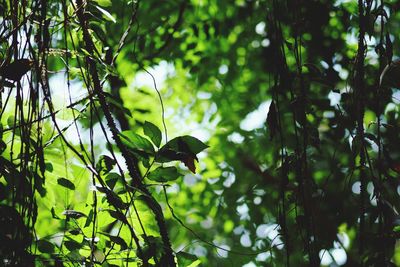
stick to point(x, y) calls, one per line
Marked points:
point(199, 133)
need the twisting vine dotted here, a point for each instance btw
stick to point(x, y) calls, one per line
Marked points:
point(129, 159)
point(359, 89)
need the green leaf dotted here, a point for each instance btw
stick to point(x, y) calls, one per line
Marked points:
point(104, 3)
point(45, 246)
point(195, 145)
point(164, 174)
point(137, 142)
point(72, 245)
point(153, 132)
point(75, 231)
point(115, 200)
point(195, 263)
point(186, 259)
point(11, 120)
point(73, 214)
point(117, 240)
point(66, 183)
point(106, 14)
point(185, 144)
point(39, 184)
point(75, 255)
point(86, 52)
point(89, 219)
point(153, 247)
point(117, 104)
point(112, 179)
point(49, 167)
point(105, 163)
point(117, 215)
point(53, 214)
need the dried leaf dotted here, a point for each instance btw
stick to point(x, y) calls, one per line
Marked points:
point(390, 76)
point(272, 120)
point(396, 167)
point(15, 70)
point(389, 48)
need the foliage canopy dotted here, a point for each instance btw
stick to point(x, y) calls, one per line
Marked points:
point(199, 133)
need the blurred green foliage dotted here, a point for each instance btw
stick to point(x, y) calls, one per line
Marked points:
point(191, 86)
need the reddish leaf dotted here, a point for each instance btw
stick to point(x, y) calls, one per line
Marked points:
point(182, 148)
point(189, 162)
point(396, 167)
